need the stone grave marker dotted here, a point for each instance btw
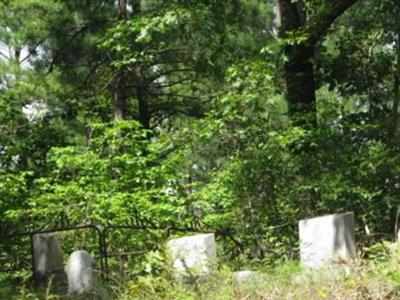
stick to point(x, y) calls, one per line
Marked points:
point(327, 239)
point(47, 258)
point(240, 277)
point(193, 255)
point(80, 273)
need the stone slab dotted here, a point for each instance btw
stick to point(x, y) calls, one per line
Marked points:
point(193, 255)
point(327, 239)
point(47, 256)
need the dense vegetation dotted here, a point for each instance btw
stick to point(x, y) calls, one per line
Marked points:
point(239, 117)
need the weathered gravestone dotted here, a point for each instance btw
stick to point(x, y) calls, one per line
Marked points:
point(80, 273)
point(47, 258)
point(193, 255)
point(327, 239)
point(240, 277)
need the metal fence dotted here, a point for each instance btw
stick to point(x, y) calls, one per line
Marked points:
point(18, 260)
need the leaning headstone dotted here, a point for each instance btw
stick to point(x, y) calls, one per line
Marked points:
point(47, 258)
point(193, 256)
point(80, 273)
point(327, 239)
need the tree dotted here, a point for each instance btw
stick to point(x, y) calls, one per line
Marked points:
point(309, 21)
point(120, 77)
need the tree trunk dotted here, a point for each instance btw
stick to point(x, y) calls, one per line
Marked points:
point(119, 88)
point(142, 93)
point(144, 112)
point(143, 98)
point(396, 89)
point(119, 96)
point(136, 5)
point(121, 9)
point(300, 84)
point(299, 69)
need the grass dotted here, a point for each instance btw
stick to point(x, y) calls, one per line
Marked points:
point(361, 280)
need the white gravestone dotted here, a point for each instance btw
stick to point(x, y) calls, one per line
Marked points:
point(327, 239)
point(193, 255)
point(240, 277)
point(47, 256)
point(79, 269)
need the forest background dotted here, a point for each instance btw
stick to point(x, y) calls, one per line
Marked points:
point(240, 116)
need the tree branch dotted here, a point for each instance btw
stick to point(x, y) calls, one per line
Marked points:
point(168, 72)
point(318, 26)
point(173, 95)
point(169, 84)
point(62, 48)
point(31, 50)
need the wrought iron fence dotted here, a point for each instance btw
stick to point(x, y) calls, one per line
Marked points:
point(19, 262)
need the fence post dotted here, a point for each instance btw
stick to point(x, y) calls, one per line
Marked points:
point(105, 253)
point(32, 257)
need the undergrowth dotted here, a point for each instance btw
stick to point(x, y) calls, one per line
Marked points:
point(375, 278)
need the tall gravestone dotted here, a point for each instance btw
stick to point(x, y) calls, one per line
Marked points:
point(327, 239)
point(47, 257)
point(80, 273)
point(193, 255)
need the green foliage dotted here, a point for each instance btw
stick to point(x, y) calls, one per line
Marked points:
point(115, 177)
point(266, 175)
point(221, 150)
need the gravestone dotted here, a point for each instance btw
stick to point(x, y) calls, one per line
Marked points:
point(193, 255)
point(47, 258)
point(80, 273)
point(240, 277)
point(327, 239)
